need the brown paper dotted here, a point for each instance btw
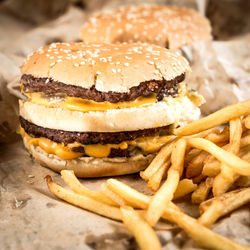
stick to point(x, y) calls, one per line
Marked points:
point(31, 217)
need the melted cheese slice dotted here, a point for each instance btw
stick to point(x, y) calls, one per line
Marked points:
point(147, 144)
point(83, 105)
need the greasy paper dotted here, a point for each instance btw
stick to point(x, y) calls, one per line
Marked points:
point(31, 217)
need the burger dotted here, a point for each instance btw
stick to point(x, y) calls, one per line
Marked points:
point(166, 26)
point(103, 109)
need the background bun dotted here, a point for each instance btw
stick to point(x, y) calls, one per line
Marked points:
point(89, 166)
point(167, 26)
point(108, 67)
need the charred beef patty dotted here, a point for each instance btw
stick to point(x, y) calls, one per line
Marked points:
point(160, 88)
point(87, 138)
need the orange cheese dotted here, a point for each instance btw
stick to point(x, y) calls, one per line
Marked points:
point(147, 144)
point(84, 105)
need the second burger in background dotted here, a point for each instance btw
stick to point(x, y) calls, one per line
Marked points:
point(168, 26)
point(103, 109)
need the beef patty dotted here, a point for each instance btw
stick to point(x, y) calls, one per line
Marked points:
point(87, 138)
point(47, 85)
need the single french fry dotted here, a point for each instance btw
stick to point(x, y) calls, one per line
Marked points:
point(219, 117)
point(238, 165)
point(194, 168)
point(243, 181)
point(227, 176)
point(191, 154)
point(202, 235)
point(166, 192)
point(219, 137)
point(83, 201)
point(201, 193)
point(155, 180)
point(219, 206)
point(142, 231)
point(198, 179)
point(247, 122)
point(159, 159)
point(185, 186)
point(112, 196)
point(245, 141)
point(71, 180)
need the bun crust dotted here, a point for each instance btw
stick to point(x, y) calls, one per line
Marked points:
point(108, 67)
point(91, 167)
point(167, 26)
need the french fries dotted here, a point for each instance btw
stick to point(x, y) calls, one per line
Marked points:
point(144, 234)
point(202, 235)
point(194, 167)
point(221, 116)
point(71, 180)
point(219, 206)
point(83, 201)
point(166, 192)
point(227, 176)
point(238, 165)
point(247, 122)
point(159, 159)
point(155, 180)
point(185, 186)
point(201, 193)
point(201, 159)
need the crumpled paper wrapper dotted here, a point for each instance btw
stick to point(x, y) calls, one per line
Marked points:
point(31, 217)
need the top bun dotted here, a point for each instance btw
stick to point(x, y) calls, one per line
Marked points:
point(169, 27)
point(108, 67)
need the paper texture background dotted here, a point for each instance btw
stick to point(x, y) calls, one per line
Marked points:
point(32, 218)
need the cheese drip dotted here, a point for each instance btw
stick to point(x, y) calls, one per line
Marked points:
point(146, 144)
point(84, 105)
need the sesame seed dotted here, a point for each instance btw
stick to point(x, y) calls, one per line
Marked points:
point(126, 64)
point(76, 64)
point(52, 64)
point(114, 70)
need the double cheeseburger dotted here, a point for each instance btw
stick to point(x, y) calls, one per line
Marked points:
point(167, 26)
point(102, 109)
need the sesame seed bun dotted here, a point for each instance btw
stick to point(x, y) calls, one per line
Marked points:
point(107, 67)
point(89, 166)
point(167, 26)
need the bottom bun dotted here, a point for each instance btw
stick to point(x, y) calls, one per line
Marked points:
point(90, 166)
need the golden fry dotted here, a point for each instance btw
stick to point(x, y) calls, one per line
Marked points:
point(221, 116)
point(219, 137)
point(202, 235)
point(184, 187)
point(155, 180)
point(247, 122)
point(201, 193)
point(112, 196)
point(227, 176)
point(83, 201)
point(71, 180)
point(192, 154)
point(238, 165)
point(219, 206)
point(194, 168)
point(142, 231)
point(166, 192)
point(159, 160)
